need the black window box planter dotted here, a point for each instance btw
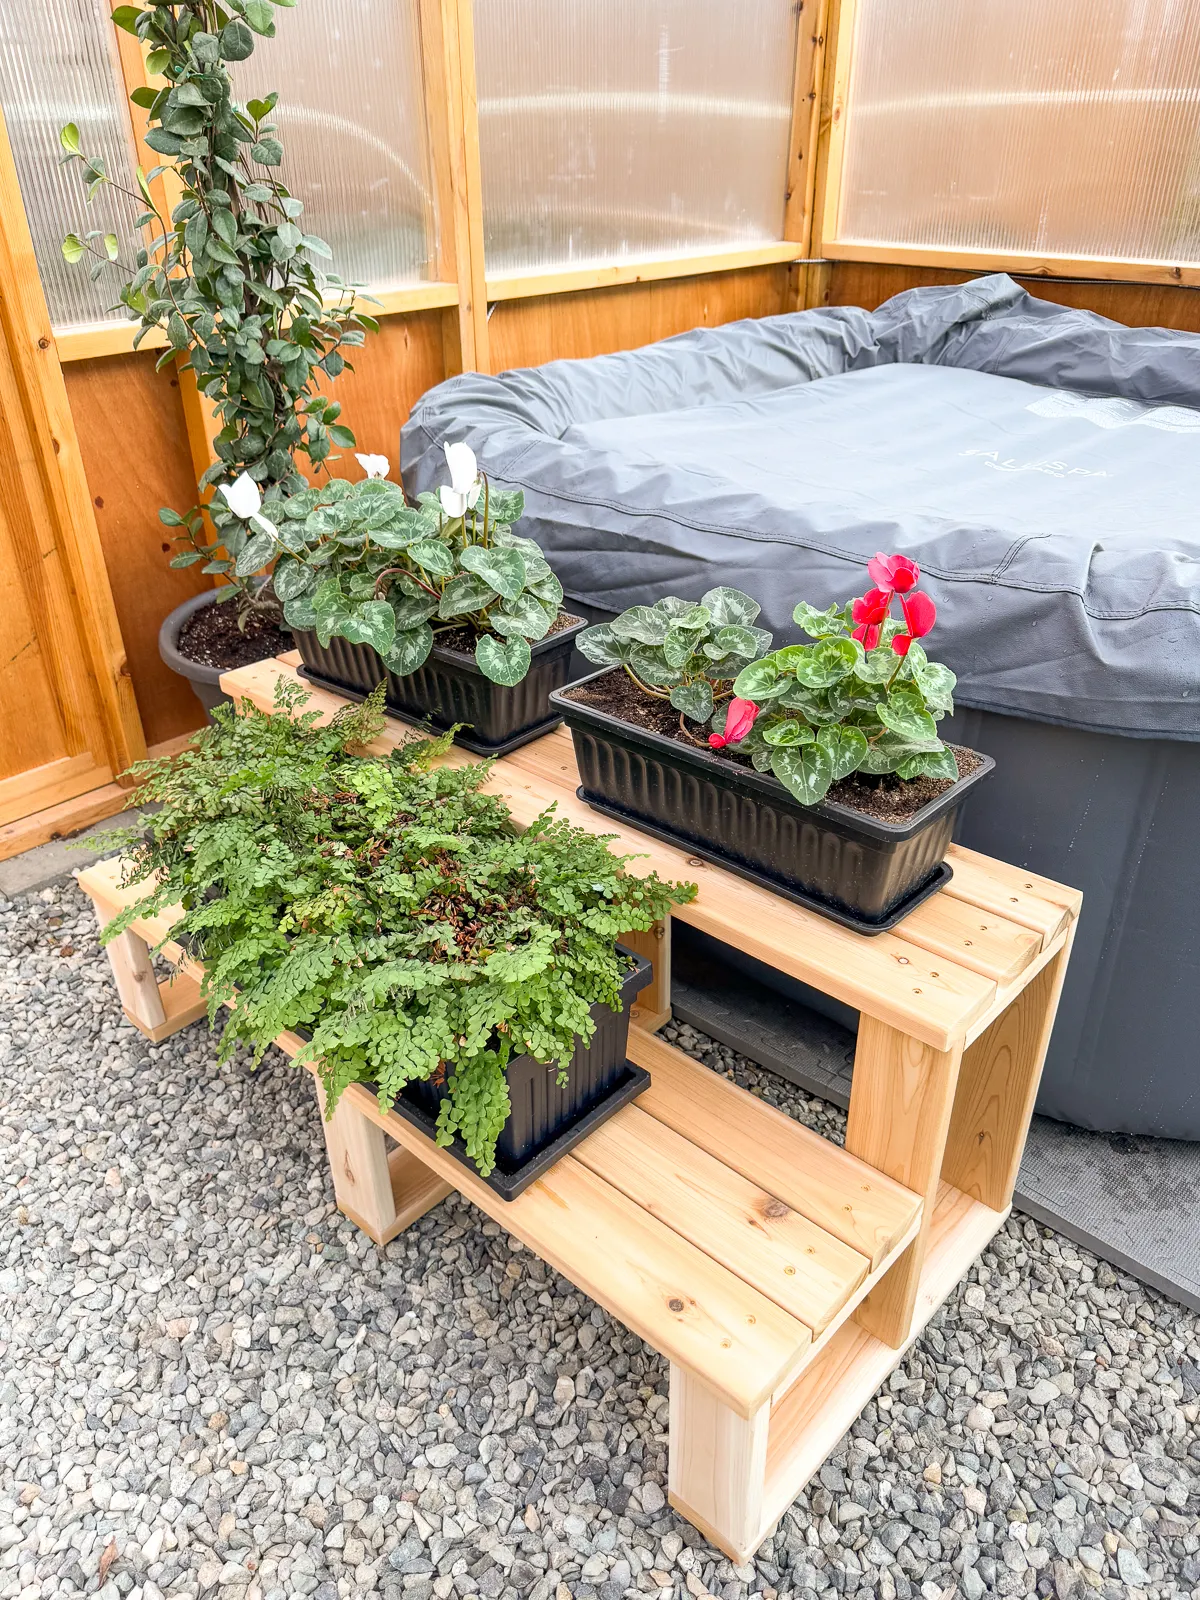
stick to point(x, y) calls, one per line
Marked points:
point(450, 688)
point(857, 870)
point(545, 1120)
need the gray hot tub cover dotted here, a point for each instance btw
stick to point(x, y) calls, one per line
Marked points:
point(1042, 465)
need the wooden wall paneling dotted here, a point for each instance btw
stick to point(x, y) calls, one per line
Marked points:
point(528, 332)
point(136, 454)
point(61, 649)
point(391, 372)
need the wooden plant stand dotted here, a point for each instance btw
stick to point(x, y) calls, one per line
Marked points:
point(781, 1276)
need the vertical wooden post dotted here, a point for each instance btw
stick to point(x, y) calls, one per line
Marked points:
point(717, 1465)
point(448, 48)
point(997, 1087)
point(133, 974)
point(838, 31)
point(900, 1103)
point(812, 16)
point(652, 1008)
point(358, 1165)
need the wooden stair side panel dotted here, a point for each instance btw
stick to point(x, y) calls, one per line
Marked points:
point(839, 1193)
point(748, 1230)
point(808, 1421)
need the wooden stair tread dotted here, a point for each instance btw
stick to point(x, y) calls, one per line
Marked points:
point(692, 1309)
point(753, 1233)
point(831, 1188)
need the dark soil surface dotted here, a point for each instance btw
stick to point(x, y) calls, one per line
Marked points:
point(462, 639)
point(888, 797)
point(212, 638)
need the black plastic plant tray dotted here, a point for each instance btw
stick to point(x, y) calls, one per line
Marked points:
point(863, 872)
point(464, 737)
point(449, 688)
point(508, 1183)
point(811, 902)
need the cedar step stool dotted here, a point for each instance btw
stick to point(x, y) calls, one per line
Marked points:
point(782, 1277)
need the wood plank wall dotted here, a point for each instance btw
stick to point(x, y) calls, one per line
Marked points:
point(135, 446)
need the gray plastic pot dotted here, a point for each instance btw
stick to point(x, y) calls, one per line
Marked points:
point(205, 681)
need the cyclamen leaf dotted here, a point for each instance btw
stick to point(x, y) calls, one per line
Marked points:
point(937, 684)
point(845, 747)
point(504, 663)
point(651, 667)
point(525, 616)
point(413, 609)
point(819, 624)
point(906, 719)
point(542, 583)
point(299, 613)
point(292, 579)
point(370, 622)
point(466, 592)
point(255, 554)
point(643, 624)
point(503, 569)
point(601, 645)
point(695, 700)
point(738, 640)
point(408, 650)
point(731, 608)
point(806, 771)
point(678, 646)
point(783, 735)
point(757, 680)
point(433, 556)
point(930, 764)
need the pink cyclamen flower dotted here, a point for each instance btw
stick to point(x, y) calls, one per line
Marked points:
point(893, 573)
point(920, 614)
point(869, 612)
point(738, 721)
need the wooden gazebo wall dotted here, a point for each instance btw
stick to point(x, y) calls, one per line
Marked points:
point(135, 439)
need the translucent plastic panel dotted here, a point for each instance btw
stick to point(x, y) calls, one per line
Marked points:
point(352, 121)
point(58, 64)
point(1012, 125)
point(616, 129)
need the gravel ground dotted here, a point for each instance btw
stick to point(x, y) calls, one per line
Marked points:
point(212, 1384)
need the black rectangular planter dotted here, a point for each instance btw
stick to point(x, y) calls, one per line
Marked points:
point(450, 688)
point(545, 1120)
point(858, 870)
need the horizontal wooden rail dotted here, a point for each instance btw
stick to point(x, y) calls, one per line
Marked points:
point(1026, 264)
point(571, 280)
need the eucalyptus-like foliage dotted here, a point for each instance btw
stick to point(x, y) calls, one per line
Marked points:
point(681, 651)
point(360, 562)
point(388, 907)
point(230, 276)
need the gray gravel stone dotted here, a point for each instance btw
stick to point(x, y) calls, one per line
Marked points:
point(212, 1385)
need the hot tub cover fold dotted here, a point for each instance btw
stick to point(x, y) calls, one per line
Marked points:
point(1042, 465)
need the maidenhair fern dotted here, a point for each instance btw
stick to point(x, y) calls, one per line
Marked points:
point(388, 907)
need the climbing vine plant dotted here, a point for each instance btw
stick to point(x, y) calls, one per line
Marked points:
point(229, 275)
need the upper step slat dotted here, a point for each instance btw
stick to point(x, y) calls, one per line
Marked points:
point(832, 1188)
point(755, 1234)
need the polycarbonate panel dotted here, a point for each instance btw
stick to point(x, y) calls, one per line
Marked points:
point(351, 118)
point(1070, 128)
point(612, 130)
point(58, 64)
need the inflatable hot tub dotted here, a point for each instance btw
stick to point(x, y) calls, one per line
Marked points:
point(1043, 466)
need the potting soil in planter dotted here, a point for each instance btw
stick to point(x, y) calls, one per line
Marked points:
point(864, 868)
point(449, 688)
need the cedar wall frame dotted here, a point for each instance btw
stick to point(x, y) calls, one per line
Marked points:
point(125, 440)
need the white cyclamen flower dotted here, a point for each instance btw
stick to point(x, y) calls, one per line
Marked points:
point(244, 499)
point(242, 496)
point(374, 466)
point(461, 493)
